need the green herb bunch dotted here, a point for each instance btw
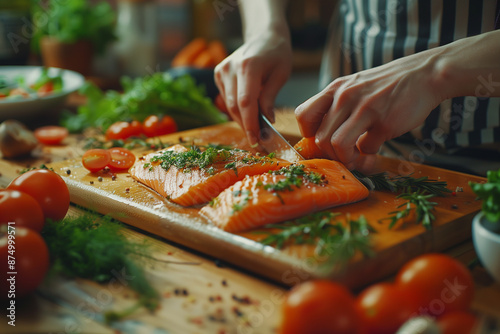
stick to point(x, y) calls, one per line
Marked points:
point(73, 20)
point(94, 248)
point(489, 193)
point(157, 94)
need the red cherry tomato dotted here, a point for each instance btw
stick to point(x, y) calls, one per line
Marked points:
point(51, 135)
point(47, 188)
point(21, 208)
point(121, 159)
point(46, 89)
point(154, 126)
point(96, 159)
point(319, 307)
point(31, 261)
point(385, 307)
point(441, 283)
point(457, 322)
point(124, 130)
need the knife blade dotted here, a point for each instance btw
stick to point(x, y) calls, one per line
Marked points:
point(272, 141)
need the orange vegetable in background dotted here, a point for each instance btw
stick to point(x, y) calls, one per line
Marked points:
point(188, 54)
point(198, 53)
point(218, 51)
point(204, 60)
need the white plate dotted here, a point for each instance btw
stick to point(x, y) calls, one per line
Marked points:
point(31, 106)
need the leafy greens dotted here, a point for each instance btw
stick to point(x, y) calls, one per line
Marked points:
point(156, 94)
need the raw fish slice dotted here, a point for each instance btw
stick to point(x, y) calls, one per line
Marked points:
point(308, 149)
point(195, 176)
point(278, 196)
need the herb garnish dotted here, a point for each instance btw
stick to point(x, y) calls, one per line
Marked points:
point(295, 175)
point(203, 157)
point(94, 248)
point(423, 208)
point(245, 195)
point(336, 241)
point(416, 191)
point(383, 181)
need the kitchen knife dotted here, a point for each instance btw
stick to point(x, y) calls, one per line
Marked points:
point(272, 141)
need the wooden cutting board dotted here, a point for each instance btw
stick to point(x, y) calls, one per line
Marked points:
point(141, 207)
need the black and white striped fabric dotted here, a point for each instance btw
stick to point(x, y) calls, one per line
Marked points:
point(369, 33)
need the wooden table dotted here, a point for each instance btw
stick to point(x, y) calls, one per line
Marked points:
point(199, 294)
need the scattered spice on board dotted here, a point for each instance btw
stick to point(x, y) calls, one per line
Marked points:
point(245, 300)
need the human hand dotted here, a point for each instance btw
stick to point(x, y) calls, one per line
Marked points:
point(359, 112)
point(251, 77)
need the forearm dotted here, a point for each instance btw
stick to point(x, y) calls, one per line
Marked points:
point(263, 16)
point(470, 66)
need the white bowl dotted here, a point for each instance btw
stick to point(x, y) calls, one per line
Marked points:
point(33, 105)
point(487, 246)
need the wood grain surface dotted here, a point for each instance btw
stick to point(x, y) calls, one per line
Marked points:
point(214, 288)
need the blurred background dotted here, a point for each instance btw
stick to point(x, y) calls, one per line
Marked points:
point(150, 33)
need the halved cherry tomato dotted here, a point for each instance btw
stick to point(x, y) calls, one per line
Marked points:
point(20, 208)
point(31, 263)
point(124, 130)
point(441, 283)
point(47, 188)
point(154, 126)
point(457, 322)
point(121, 159)
point(320, 307)
point(51, 134)
point(385, 307)
point(96, 159)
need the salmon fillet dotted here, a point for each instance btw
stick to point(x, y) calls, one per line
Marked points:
point(195, 176)
point(291, 192)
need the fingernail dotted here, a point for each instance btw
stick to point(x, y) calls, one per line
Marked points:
point(270, 115)
point(251, 138)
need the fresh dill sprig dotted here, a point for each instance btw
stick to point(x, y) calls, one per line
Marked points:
point(416, 191)
point(420, 202)
point(93, 247)
point(337, 242)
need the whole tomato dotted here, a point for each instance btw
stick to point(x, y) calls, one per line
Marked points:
point(319, 307)
point(441, 283)
point(124, 130)
point(457, 322)
point(154, 126)
point(23, 253)
point(47, 188)
point(21, 208)
point(384, 307)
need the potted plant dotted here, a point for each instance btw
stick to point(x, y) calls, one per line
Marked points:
point(486, 224)
point(68, 33)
